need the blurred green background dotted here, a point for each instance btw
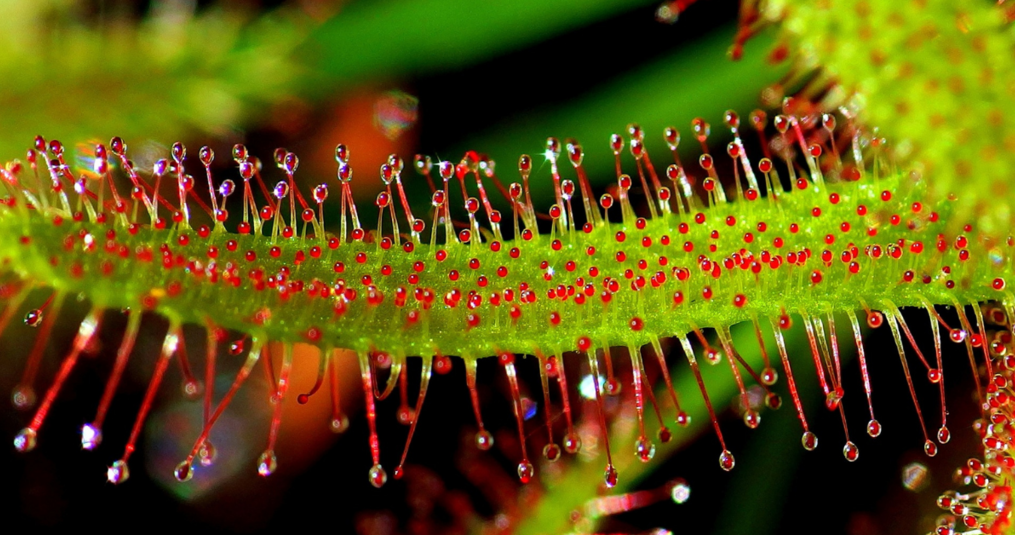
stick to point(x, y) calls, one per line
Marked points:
point(434, 77)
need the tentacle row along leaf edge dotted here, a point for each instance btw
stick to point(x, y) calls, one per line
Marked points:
point(815, 237)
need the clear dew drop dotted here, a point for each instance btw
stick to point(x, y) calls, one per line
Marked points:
point(944, 435)
point(91, 437)
point(526, 471)
point(644, 449)
point(610, 476)
point(33, 318)
point(339, 424)
point(267, 463)
point(934, 375)
point(664, 435)
point(572, 443)
point(184, 471)
point(930, 448)
point(227, 187)
point(23, 397)
point(378, 477)
point(118, 472)
point(769, 376)
point(551, 452)
point(712, 356)
point(25, 440)
point(850, 452)
point(207, 454)
point(484, 440)
point(192, 389)
point(680, 492)
point(726, 460)
point(752, 419)
point(873, 428)
point(809, 441)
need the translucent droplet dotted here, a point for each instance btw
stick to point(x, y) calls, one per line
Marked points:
point(236, 347)
point(290, 163)
point(23, 397)
point(551, 452)
point(850, 452)
point(769, 376)
point(339, 424)
point(484, 440)
point(664, 435)
point(192, 389)
point(378, 477)
point(930, 448)
point(752, 419)
point(320, 193)
point(873, 428)
point(33, 318)
point(207, 454)
point(809, 441)
point(610, 476)
point(281, 190)
point(341, 153)
point(525, 471)
point(644, 449)
point(207, 155)
point(572, 443)
point(227, 187)
point(179, 152)
point(91, 437)
point(680, 492)
point(712, 356)
point(117, 473)
point(267, 463)
point(184, 471)
point(944, 435)
point(726, 460)
point(25, 440)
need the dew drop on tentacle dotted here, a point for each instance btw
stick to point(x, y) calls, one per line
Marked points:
point(572, 441)
point(201, 446)
point(525, 469)
point(377, 476)
point(643, 449)
point(893, 322)
point(118, 472)
point(610, 476)
point(808, 437)
point(24, 393)
point(322, 370)
point(424, 382)
point(484, 440)
point(873, 426)
point(267, 463)
point(682, 418)
point(850, 451)
point(26, 439)
point(551, 451)
point(339, 420)
point(91, 434)
point(726, 459)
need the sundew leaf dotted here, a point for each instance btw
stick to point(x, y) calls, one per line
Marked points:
point(937, 78)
